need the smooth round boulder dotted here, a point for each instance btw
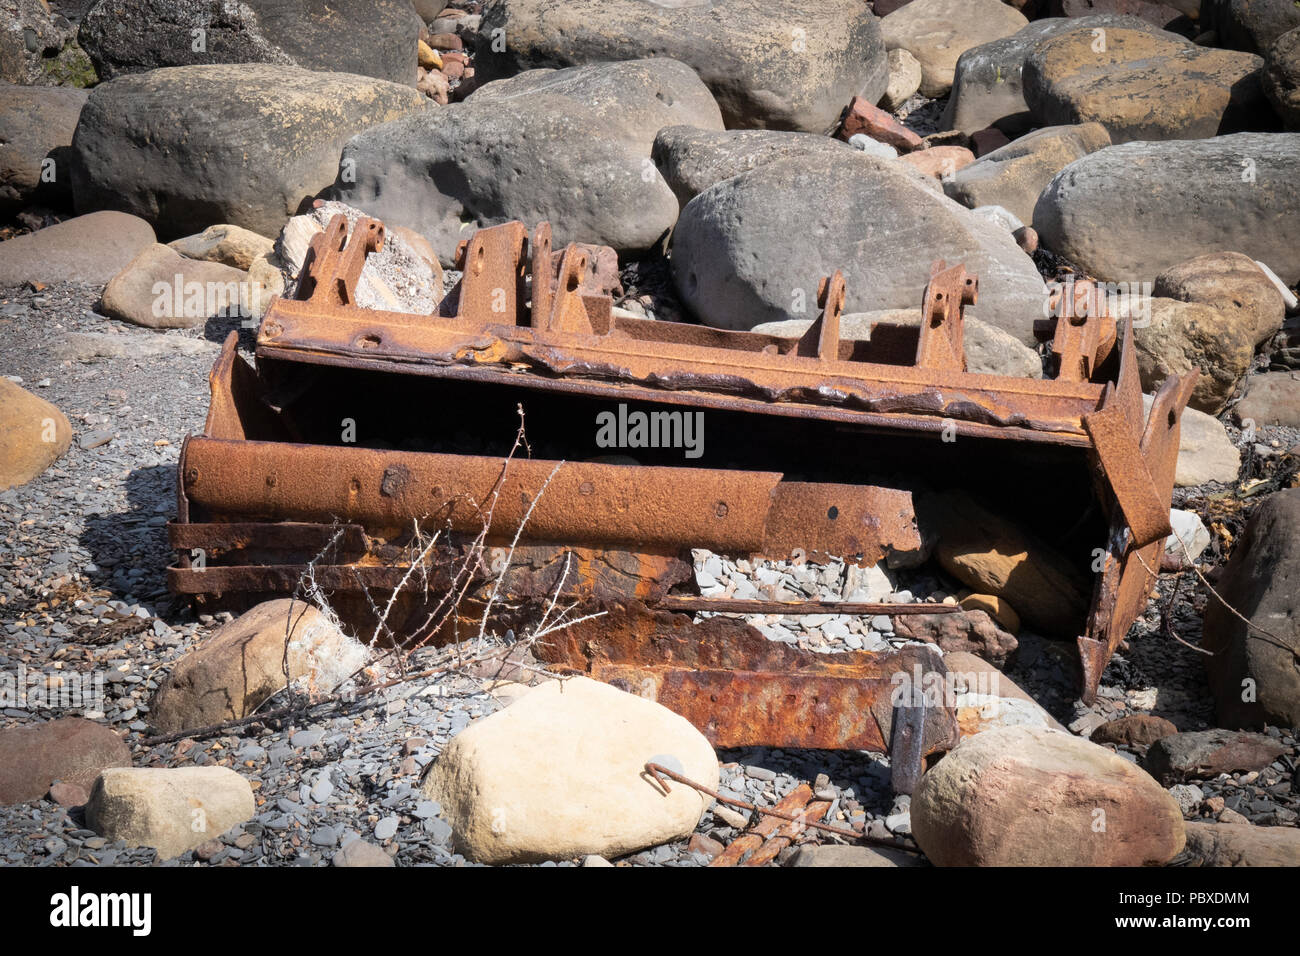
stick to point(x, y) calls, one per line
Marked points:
point(33, 435)
point(1031, 796)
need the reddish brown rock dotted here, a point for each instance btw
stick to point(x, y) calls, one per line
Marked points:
point(1135, 730)
point(863, 117)
point(71, 750)
point(941, 162)
point(69, 794)
point(1208, 753)
point(971, 631)
point(445, 41)
point(985, 141)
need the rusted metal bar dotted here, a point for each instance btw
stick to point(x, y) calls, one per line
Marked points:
point(675, 602)
point(940, 344)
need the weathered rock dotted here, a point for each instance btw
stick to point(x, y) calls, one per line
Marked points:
point(1272, 398)
point(242, 664)
point(245, 144)
point(89, 346)
point(829, 854)
point(38, 47)
point(1143, 86)
point(1190, 536)
point(1014, 176)
point(1208, 753)
point(161, 289)
point(1232, 283)
point(995, 607)
point(988, 87)
point(229, 245)
point(1253, 673)
point(691, 159)
point(33, 435)
point(937, 32)
point(1023, 796)
point(375, 39)
point(904, 79)
point(1250, 25)
point(521, 785)
point(989, 350)
point(361, 853)
point(1177, 200)
point(172, 810)
point(569, 146)
point(1135, 730)
point(751, 249)
point(1205, 452)
point(940, 162)
point(1163, 15)
point(773, 64)
point(1281, 78)
point(1190, 335)
point(36, 125)
point(985, 699)
point(1242, 844)
point(971, 631)
point(90, 249)
point(70, 749)
point(863, 117)
point(992, 555)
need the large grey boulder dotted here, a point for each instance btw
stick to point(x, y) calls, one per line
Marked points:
point(189, 146)
point(937, 32)
point(1144, 85)
point(752, 249)
point(36, 126)
point(693, 159)
point(90, 249)
point(569, 146)
point(1129, 212)
point(1015, 175)
point(987, 88)
point(774, 64)
point(376, 38)
point(1253, 672)
point(1250, 25)
point(1282, 78)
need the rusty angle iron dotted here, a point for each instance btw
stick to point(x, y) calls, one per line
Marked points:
point(819, 445)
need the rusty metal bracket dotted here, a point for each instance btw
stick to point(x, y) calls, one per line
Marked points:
point(949, 291)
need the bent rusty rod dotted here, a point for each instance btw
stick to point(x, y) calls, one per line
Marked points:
point(659, 771)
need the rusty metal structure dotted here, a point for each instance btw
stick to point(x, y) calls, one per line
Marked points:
point(816, 445)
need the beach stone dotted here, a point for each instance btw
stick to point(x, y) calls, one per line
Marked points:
point(1208, 753)
point(1232, 283)
point(226, 244)
point(1242, 844)
point(569, 146)
point(242, 664)
point(1205, 452)
point(1134, 730)
point(692, 159)
point(188, 146)
point(1272, 398)
point(91, 249)
point(1027, 796)
point(361, 853)
point(36, 125)
point(752, 249)
point(1250, 25)
point(161, 289)
point(984, 698)
point(1015, 175)
point(172, 810)
point(988, 87)
point(940, 162)
point(1253, 675)
point(937, 32)
point(995, 607)
point(771, 64)
point(69, 749)
point(519, 785)
point(376, 39)
point(1281, 78)
point(1143, 86)
point(33, 435)
point(904, 79)
point(973, 631)
point(830, 854)
point(1195, 197)
point(1181, 336)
